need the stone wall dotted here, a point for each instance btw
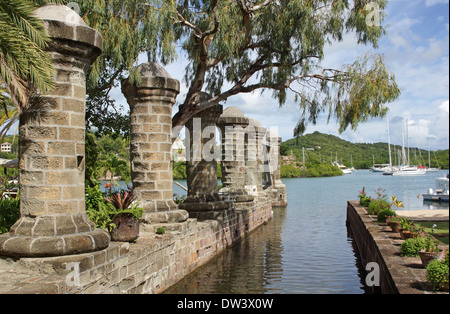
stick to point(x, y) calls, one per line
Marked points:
point(151, 265)
point(376, 243)
point(54, 240)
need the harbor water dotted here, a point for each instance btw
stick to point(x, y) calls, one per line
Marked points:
point(306, 247)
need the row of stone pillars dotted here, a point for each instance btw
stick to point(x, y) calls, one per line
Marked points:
point(53, 220)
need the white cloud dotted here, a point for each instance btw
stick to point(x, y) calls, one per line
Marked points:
point(429, 3)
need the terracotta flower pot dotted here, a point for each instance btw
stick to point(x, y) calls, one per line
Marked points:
point(127, 228)
point(427, 257)
point(407, 234)
point(394, 226)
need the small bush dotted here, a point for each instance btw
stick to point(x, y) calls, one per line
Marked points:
point(376, 206)
point(9, 213)
point(160, 230)
point(411, 247)
point(384, 213)
point(437, 273)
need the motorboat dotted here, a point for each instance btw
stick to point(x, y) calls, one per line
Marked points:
point(441, 193)
point(344, 168)
point(380, 168)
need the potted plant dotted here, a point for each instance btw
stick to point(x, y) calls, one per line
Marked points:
point(438, 274)
point(364, 200)
point(406, 227)
point(394, 223)
point(125, 215)
point(431, 251)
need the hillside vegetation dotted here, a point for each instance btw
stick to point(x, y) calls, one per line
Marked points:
point(361, 155)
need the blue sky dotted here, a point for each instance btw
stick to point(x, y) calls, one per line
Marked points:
point(416, 51)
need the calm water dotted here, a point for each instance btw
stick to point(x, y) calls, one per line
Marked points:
point(305, 248)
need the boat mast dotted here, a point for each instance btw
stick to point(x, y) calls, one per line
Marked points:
point(389, 143)
point(407, 140)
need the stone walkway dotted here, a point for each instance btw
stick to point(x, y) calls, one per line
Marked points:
point(425, 215)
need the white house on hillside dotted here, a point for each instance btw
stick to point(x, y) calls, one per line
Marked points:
point(178, 150)
point(5, 147)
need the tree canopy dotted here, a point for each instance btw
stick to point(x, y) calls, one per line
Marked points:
point(24, 65)
point(241, 46)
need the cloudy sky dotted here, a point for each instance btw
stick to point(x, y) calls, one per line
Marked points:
point(416, 51)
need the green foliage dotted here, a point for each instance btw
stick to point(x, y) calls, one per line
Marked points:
point(364, 200)
point(124, 202)
point(377, 205)
point(411, 247)
point(438, 273)
point(406, 224)
point(106, 152)
point(289, 171)
point(271, 45)
point(178, 199)
point(361, 155)
point(102, 209)
point(24, 64)
point(9, 213)
point(179, 170)
point(160, 230)
point(311, 170)
point(431, 244)
point(97, 209)
point(384, 213)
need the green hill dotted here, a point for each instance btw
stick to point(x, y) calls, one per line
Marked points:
point(321, 147)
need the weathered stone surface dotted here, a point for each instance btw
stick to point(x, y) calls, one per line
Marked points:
point(151, 104)
point(150, 265)
point(51, 149)
point(201, 169)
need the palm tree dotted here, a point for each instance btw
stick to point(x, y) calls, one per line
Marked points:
point(24, 64)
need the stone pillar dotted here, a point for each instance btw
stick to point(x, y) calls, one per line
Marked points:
point(233, 126)
point(279, 194)
point(53, 220)
point(202, 162)
point(151, 104)
point(255, 158)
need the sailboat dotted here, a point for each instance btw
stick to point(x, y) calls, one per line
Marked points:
point(431, 169)
point(405, 169)
point(389, 170)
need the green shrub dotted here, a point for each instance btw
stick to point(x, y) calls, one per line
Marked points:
point(437, 273)
point(160, 230)
point(9, 213)
point(384, 213)
point(412, 246)
point(378, 205)
point(364, 199)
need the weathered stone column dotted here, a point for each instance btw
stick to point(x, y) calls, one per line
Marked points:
point(279, 193)
point(255, 158)
point(53, 220)
point(233, 125)
point(151, 142)
point(202, 163)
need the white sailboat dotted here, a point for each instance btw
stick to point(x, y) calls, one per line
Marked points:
point(431, 169)
point(405, 169)
point(389, 170)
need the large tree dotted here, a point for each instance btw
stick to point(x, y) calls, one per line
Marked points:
point(242, 46)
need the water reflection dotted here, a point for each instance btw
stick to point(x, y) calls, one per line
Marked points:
point(253, 266)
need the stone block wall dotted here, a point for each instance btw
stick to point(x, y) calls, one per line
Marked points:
point(376, 243)
point(149, 266)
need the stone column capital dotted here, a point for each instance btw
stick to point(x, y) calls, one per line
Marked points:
point(69, 33)
point(154, 81)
